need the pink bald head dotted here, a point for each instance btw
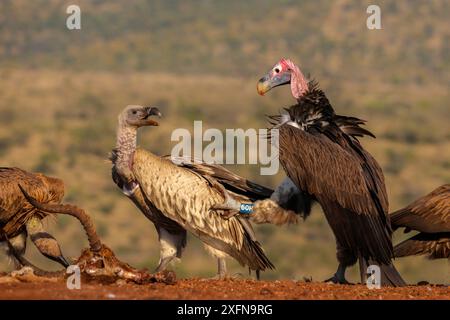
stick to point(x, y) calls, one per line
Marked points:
point(284, 72)
point(299, 85)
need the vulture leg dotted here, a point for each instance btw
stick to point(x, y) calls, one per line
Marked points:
point(222, 272)
point(163, 263)
point(339, 276)
point(346, 258)
point(230, 207)
point(221, 263)
point(171, 246)
point(19, 245)
point(221, 268)
point(45, 242)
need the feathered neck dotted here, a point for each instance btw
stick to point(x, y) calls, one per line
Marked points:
point(314, 110)
point(125, 146)
point(314, 100)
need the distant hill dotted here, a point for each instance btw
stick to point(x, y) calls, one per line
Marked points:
point(239, 38)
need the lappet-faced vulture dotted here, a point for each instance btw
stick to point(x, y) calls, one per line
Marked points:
point(322, 156)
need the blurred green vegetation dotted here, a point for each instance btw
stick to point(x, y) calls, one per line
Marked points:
point(61, 92)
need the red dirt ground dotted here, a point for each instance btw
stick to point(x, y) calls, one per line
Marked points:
point(217, 289)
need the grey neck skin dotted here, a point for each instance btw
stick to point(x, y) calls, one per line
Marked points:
point(125, 146)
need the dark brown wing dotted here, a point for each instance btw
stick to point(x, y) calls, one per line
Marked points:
point(324, 169)
point(231, 181)
point(430, 213)
point(352, 126)
point(346, 181)
point(435, 245)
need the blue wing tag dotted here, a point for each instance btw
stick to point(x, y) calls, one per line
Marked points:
point(246, 208)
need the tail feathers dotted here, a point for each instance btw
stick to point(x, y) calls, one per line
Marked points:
point(257, 258)
point(251, 253)
point(351, 126)
point(390, 277)
point(410, 247)
point(254, 252)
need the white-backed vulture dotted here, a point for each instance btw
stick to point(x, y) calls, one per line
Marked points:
point(172, 236)
point(19, 219)
point(185, 193)
point(321, 154)
point(430, 215)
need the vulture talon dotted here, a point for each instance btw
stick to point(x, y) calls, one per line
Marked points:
point(163, 264)
point(335, 279)
point(339, 276)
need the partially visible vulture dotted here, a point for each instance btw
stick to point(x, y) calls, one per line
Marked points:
point(19, 219)
point(183, 195)
point(430, 215)
point(321, 154)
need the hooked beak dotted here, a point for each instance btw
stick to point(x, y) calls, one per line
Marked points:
point(267, 82)
point(150, 111)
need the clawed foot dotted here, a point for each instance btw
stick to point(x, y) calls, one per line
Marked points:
point(337, 280)
point(163, 264)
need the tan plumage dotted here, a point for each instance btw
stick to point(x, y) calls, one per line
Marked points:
point(171, 236)
point(266, 209)
point(430, 213)
point(186, 197)
point(186, 192)
point(434, 245)
point(270, 211)
point(18, 218)
point(431, 216)
point(15, 210)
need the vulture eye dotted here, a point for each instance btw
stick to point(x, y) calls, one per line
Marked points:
point(277, 70)
point(134, 112)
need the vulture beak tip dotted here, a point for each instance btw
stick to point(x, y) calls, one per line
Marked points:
point(262, 87)
point(154, 111)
